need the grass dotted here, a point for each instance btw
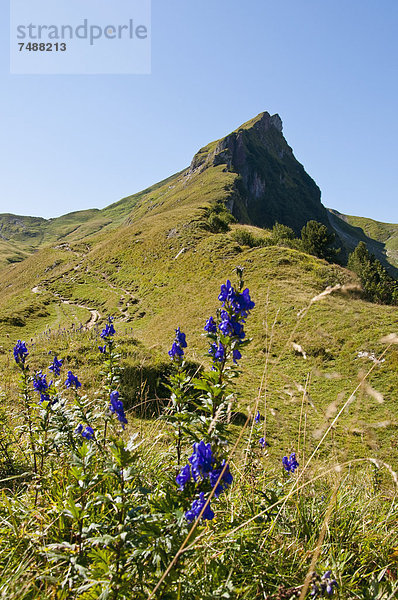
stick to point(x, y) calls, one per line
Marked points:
point(152, 263)
point(271, 531)
point(135, 275)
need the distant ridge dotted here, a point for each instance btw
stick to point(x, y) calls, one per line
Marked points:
point(380, 238)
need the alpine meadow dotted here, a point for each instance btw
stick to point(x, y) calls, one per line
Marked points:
point(199, 390)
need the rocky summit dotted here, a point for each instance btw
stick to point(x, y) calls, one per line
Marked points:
point(272, 186)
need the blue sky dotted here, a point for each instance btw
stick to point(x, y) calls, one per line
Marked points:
point(328, 67)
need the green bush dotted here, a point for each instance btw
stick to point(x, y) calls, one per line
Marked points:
point(377, 283)
point(282, 233)
point(218, 218)
point(317, 240)
point(247, 238)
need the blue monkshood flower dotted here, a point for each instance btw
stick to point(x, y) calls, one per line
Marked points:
point(231, 326)
point(109, 329)
point(323, 585)
point(176, 350)
point(41, 386)
point(329, 581)
point(329, 586)
point(238, 330)
point(236, 355)
point(226, 480)
point(210, 326)
point(263, 443)
point(178, 345)
point(196, 509)
point(20, 352)
point(218, 352)
point(72, 381)
point(213, 349)
point(102, 349)
point(290, 464)
point(40, 382)
point(183, 477)
point(116, 407)
point(227, 293)
point(201, 460)
point(55, 367)
point(88, 433)
point(257, 417)
point(226, 327)
point(242, 303)
point(180, 338)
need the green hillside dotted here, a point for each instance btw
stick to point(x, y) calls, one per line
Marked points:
point(252, 171)
point(380, 238)
point(21, 236)
point(149, 258)
point(163, 270)
point(90, 506)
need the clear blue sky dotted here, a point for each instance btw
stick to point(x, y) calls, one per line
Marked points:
point(328, 67)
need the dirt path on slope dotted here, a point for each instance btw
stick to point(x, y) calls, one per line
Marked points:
point(95, 315)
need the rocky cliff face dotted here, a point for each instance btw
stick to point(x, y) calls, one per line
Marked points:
point(272, 185)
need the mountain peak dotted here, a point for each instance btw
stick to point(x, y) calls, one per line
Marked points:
point(261, 127)
point(263, 122)
point(272, 186)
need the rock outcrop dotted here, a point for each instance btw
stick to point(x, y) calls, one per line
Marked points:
point(272, 185)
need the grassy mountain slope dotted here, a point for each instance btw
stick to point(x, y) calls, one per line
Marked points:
point(164, 270)
point(21, 236)
point(253, 171)
point(381, 238)
point(152, 261)
point(155, 261)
